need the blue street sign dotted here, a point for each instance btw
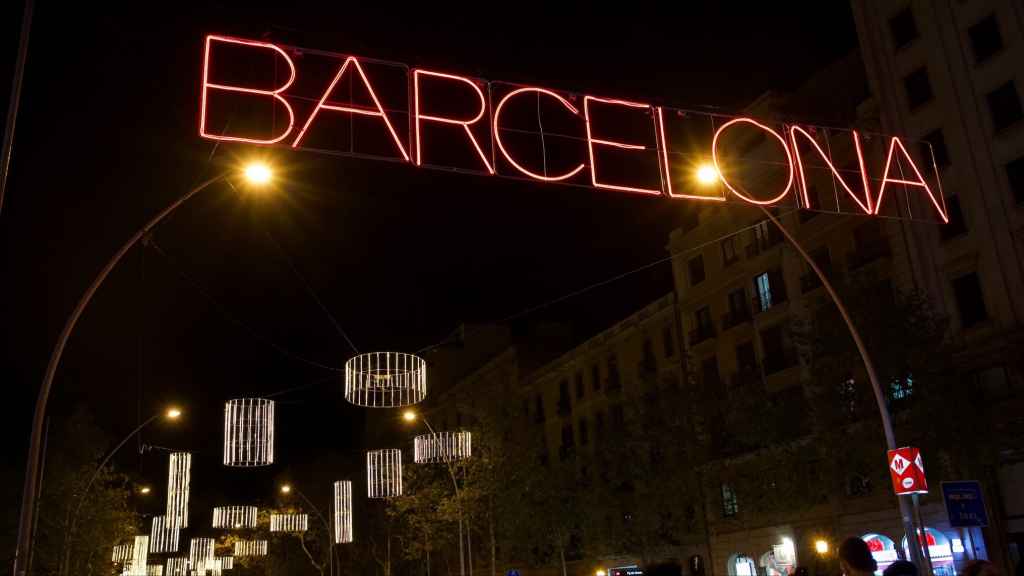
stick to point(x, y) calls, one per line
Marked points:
point(964, 504)
point(512, 572)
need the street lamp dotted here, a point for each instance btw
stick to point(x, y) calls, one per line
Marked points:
point(173, 413)
point(286, 488)
point(409, 416)
point(30, 488)
point(906, 514)
point(706, 174)
point(821, 547)
point(145, 490)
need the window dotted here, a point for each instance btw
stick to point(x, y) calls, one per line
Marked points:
point(580, 388)
point(595, 377)
point(986, 40)
point(739, 310)
point(901, 388)
point(599, 426)
point(538, 408)
point(1015, 175)
point(1004, 106)
point(746, 361)
point(730, 507)
point(956, 225)
point(618, 416)
point(696, 267)
point(709, 370)
point(614, 382)
point(918, 88)
point(937, 149)
point(584, 432)
point(969, 300)
point(777, 356)
point(770, 289)
point(903, 28)
point(668, 342)
point(729, 251)
point(568, 443)
point(704, 328)
point(650, 363)
point(564, 404)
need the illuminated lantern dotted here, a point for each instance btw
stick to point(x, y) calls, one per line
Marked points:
point(250, 548)
point(442, 447)
point(343, 512)
point(249, 432)
point(122, 553)
point(200, 554)
point(163, 539)
point(289, 522)
point(177, 566)
point(177, 489)
point(136, 565)
point(234, 517)
point(385, 380)
point(384, 473)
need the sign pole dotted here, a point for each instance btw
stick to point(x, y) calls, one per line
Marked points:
point(915, 499)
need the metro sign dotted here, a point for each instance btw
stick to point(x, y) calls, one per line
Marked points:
point(907, 471)
point(258, 92)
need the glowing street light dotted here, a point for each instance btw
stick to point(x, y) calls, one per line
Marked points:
point(821, 547)
point(409, 415)
point(286, 488)
point(707, 174)
point(600, 573)
point(145, 490)
point(258, 173)
point(173, 413)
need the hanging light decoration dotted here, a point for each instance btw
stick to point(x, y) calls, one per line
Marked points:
point(234, 517)
point(249, 432)
point(213, 567)
point(442, 447)
point(343, 512)
point(154, 570)
point(177, 566)
point(200, 554)
point(136, 563)
point(226, 562)
point(178, 476)
point(163, 539)
point(289, 522)
point(384, 473)
point(122, 553)
point(385, 379)
point(250, 548)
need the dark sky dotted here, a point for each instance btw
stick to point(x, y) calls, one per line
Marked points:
point(107, 136)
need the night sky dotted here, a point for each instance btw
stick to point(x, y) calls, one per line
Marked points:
point(107, 136)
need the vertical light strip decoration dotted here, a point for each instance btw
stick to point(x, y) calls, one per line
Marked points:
point(289, 522)
point(234, 517)
point(122, 553)
point(250, 548)
point(162, 538)
point(177, 566)
point(154, 570)
point(442, 447)
point(200, 554)
point(385, 379)
point(226, 562)
point(249, 432)
point(137, 564)
point(384, 473)
point(343, 512)
point(178, 478)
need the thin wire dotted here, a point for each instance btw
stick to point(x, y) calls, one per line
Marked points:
point(311, 292)
point(228, 316)
point(606, 281)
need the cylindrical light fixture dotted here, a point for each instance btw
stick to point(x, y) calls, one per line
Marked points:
point(384, 473)
point(137, 564)
point(442, 447)
point(343, 512)
point(178, 475)
point(234, 517)
point(226, 562)
point(154, 570)
point(162, 538)
point(177, 566)
point(122, 553)
point(289, 522)
point(250, 548)
point(249, 432)
point(385, 379)
point(200, 554)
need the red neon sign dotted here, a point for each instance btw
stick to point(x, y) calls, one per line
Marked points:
point(649, 164)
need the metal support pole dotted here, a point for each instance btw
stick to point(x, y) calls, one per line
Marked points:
point(915, 500)
point(12, 104)
point(906, 513)
point(458, 503)
point(327, 527)
point(30, 489)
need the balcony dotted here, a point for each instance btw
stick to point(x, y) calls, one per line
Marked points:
point(735, 318)
point(868, 253)
point(778, 361)
point(701, 333)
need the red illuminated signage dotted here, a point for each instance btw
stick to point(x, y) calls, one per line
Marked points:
point(907, 471)
point(343, 104)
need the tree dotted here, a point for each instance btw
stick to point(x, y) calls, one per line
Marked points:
point(106, 517)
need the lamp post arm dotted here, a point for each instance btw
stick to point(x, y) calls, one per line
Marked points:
point(29, 490)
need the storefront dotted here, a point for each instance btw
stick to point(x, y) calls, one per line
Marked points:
point(741, 565)
point(883, 549)
point(941, 550)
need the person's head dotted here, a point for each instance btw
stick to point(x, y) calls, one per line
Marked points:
point(979, 568)
point(801, 571)
point(900, 568)
point(855, 558)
